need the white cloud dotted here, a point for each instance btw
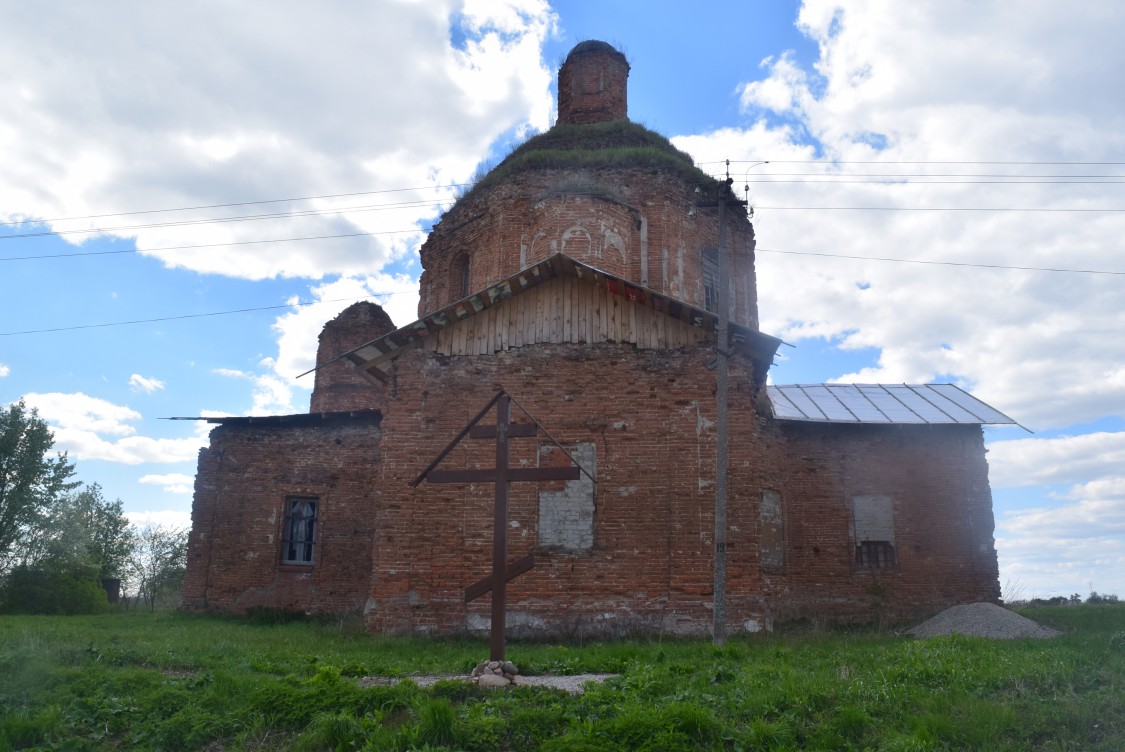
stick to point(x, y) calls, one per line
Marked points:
point(1073, 540)
point(140, 383)
point(299, 329)
point(169, 519)
point(4, 370)
point(900, 85)
point(271, 395)
point(1064, 460)
point(285, 101)
point(1074, 547)
point(177, 483)
point(81, 423)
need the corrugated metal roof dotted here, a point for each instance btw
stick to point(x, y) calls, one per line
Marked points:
point(881, 403)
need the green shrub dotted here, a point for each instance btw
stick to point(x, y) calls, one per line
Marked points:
point(51, 591)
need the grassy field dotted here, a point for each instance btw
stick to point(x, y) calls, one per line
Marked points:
point(178, 682)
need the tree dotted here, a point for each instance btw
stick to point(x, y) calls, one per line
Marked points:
point(31, 482)
point(157, 563)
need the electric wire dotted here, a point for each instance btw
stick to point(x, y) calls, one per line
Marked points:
point(222, 220)
point(759, 250)
point(446, 187)
point(912, 162)
point(210, 245)
point(241, 203)
point(1007, 267)
point(104, 325)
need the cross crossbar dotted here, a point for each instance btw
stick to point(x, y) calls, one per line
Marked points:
point(512, 570)
point(515, 475)
point(501, 474)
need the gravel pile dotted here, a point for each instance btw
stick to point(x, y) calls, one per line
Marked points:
point(982, 620)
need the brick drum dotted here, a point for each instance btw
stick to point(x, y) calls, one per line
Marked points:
point(826, 521)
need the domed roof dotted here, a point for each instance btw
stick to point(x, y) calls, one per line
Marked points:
point(594, 45)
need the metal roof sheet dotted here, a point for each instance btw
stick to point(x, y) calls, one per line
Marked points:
point(881, 403)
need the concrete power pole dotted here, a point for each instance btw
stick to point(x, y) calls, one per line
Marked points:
point(722, 461)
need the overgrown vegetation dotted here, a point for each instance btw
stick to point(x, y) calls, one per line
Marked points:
point(60, 541)
point(619, 143)
point(181, 682)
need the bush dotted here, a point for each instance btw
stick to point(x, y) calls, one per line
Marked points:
point(53, 592)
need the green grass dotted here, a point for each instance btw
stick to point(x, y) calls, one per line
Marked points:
point(181, 682)
point(617, 144)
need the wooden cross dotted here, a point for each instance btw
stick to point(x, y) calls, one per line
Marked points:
point(501, 475)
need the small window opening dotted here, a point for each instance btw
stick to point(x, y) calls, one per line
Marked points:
point(711, 280)
point(299, 536)
point(461, 277)
point(875, 555)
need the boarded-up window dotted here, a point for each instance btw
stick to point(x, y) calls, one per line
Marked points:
point(298, 538)
point(773, 537)
point(566, 516)
point(874, 531)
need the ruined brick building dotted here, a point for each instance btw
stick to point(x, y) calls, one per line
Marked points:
point(581, 276)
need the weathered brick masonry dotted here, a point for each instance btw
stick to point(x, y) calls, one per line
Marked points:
point(243, 481)
point(614, 356)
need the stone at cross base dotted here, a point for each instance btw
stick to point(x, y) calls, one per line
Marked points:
point(494, 674)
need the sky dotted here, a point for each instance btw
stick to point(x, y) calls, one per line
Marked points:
point(188, 191)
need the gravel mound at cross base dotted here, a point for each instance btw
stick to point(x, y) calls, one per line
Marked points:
point(982, 620)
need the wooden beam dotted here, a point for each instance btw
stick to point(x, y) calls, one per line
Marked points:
point(511, 571)
point(514, 475)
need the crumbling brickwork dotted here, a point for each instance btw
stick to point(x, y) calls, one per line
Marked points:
point(593, 85)
point(338, 387)
point(245, 477)
point(826, 521)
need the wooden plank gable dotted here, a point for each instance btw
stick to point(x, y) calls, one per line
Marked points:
point(560, 301)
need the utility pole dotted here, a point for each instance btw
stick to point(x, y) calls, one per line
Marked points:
point(722, 460)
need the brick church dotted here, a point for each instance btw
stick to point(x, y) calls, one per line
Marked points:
point(582, 277)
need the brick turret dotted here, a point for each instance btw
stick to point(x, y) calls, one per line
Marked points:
point(592, 85)
point(338, 387)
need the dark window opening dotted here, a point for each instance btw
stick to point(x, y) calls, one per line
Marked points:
point(875, 555)
point(298, 539)
point(711, 281)
point(461, 277)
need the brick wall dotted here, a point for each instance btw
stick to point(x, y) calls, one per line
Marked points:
point(643, 421)
point(243, 481)
point(593, 85)
point(936, 478)
point(637, 223)
point(650, 418)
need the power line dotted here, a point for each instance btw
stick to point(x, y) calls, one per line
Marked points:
point(219, 220)
point(831, 180)
point(759, 250)
point(910, 162)
point(926, 175)
point(195, 315)
point(208, 245)
point(758, 207)
point(238, 203)
point(13, 223)
point(943, 263)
